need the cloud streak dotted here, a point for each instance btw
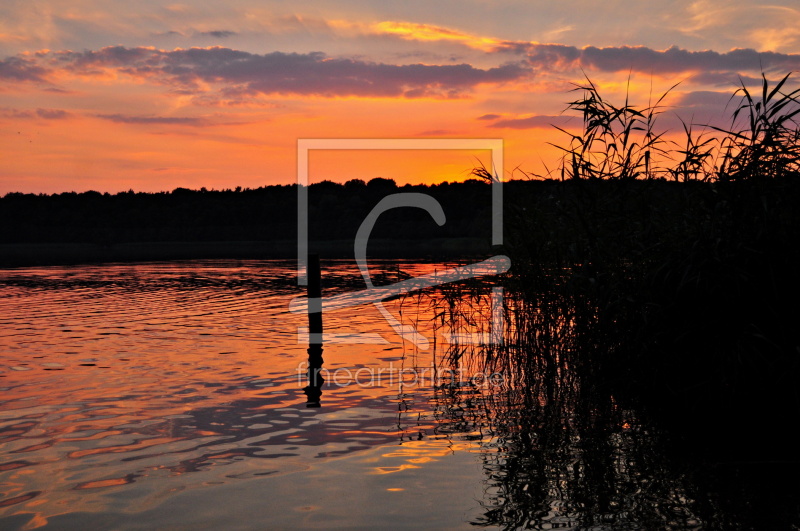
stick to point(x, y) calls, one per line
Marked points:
point(40, 113)
point(218, 34)
point(538, 122)
point(151, 120)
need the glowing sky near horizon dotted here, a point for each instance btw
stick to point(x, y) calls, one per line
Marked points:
point(112, 95)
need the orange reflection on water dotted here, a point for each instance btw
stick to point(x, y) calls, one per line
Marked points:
point(157, 378)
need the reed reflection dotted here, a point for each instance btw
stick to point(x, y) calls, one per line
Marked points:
point(565, 443)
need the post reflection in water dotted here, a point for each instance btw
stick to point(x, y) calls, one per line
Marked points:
point(313, 390)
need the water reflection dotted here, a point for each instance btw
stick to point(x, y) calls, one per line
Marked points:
point(560, 447)
point(125, 384)
point(129, 388)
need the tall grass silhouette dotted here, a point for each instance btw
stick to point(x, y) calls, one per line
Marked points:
point(617, 142)
point(670, 267)
point(767, 144)
point(648, 319)
point(623, 142)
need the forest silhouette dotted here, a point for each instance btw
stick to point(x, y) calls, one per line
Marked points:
point(90, 226)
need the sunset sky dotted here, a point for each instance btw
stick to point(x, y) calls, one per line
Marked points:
point(112, 95)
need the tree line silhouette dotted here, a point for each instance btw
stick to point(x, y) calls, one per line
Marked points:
point(269, 213)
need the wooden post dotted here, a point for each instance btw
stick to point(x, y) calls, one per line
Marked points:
point(314, 294)
point(313, 390)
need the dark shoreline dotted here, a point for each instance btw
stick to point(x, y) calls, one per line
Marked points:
point(52, 254)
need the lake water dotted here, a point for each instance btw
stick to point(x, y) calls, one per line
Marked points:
point(170, 396)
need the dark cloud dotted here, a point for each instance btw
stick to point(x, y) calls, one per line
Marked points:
point(641, 59)
point(45, 114)
point(56, 90)
point(538, 122)
point(93, 61)
point(243, 74)
point(218, 34)
point(286, 73)
point(161, 120)
point(488, 117)
point(551, 56)
point(170, 33)
point(52, 114)
point(21, 68)
point(674, 60)
point(7, 112)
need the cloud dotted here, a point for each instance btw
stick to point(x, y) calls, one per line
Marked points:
point(724, 79)
point(27, 114)
point(170, 33)
point(673, 60)
point(224, 73)
point(218, 34)
point(488, 117)
point(53, 114)
point(21, 68)
point(160, 120)
point(429, 32)
point(538, 122)
point(608, 59)
point(307, 74)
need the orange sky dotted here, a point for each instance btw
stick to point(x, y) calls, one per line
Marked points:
point(192, 94)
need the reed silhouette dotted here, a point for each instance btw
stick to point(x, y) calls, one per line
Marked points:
point(572, 439)
point(650, 360)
